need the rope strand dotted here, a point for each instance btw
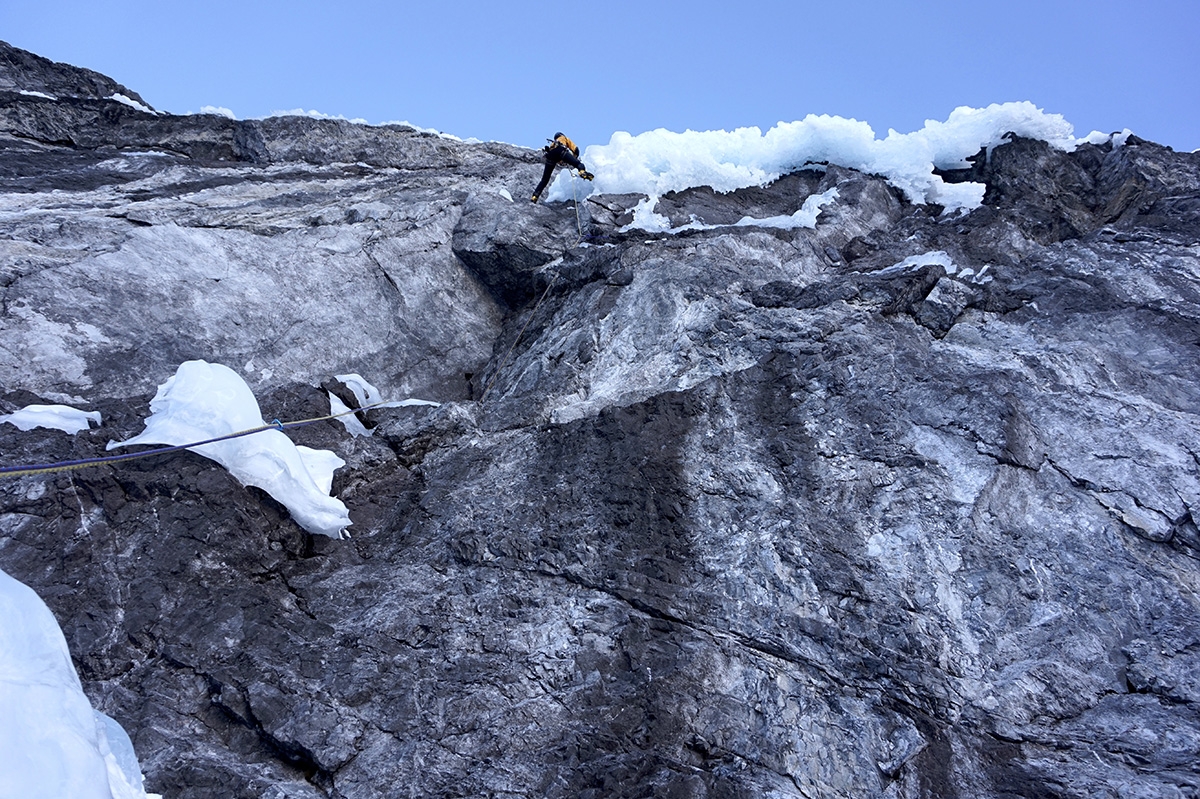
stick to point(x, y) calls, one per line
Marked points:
point(63, 466)
point(503, 363)
point(574, 199)
point(517, 340)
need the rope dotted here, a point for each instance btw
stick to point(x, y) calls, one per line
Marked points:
point(500, 368)
point(517, 340)
point(63, 466)
point(554, 277)
point(575, 200)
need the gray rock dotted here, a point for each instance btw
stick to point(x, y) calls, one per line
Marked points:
point(743, 512)
point(21, 70)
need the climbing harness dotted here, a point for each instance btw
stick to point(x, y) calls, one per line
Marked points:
point(63, 466)
point(561, 139)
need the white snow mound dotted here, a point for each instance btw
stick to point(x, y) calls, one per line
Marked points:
point(660, 161)
point(53, 744)
point(57, 417)
point(202, 401)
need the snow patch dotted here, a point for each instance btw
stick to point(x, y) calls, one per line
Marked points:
point(120, 98)
point(660, 161)
point(939, 258)
point(43, 95)
point(203, 401)
point(56, 417)
point(313, 114)
point(55, 744)
point(431, 131)
point(1119, 139)
point(914, 262)
point(1098, 137)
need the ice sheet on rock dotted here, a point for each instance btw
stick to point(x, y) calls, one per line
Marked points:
point(364, 392)
point(57, 417)
point(645, 218)
point(367, 394)
point(53, 743)
point(805, 217)
point(660, 161)
point(913, 262)
point(342, 411)
point(202, 401)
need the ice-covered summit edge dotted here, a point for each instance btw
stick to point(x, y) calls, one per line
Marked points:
point(660, 161)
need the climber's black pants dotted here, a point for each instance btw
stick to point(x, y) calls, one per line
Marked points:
point(557, 154)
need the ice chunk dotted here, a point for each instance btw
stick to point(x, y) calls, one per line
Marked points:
point(58, 417)
point(53, 743)
point(203, 401)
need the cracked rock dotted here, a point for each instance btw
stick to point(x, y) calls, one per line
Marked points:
point(736, 517)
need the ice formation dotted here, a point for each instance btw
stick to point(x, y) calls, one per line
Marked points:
point(57, 417)
point(203, 401)
point(660, 161)
point(53, 744)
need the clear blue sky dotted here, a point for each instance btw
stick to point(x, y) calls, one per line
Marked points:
point(518, 71)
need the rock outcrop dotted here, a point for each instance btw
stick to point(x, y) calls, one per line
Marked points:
point(899, 506)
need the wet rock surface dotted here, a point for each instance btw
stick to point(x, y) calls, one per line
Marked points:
point(900, 506)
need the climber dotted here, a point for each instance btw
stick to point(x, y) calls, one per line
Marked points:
point(560, 149)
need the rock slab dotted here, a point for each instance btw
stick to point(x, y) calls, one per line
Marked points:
point(900, 506)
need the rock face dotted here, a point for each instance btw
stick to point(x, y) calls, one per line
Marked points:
point(901, 506)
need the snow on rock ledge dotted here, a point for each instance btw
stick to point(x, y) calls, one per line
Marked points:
point(660, 161)
point(57, 417)
point(203, 401)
